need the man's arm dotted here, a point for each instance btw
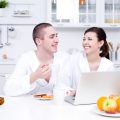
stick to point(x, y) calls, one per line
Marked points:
point(19, 82)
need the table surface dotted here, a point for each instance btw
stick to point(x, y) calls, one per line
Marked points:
point(30, 108)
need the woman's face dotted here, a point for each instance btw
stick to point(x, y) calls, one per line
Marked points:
point(91, 44)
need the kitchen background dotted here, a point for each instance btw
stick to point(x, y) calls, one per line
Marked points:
point(70, 18)
point(16, 28)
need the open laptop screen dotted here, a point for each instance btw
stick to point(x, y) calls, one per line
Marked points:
point(92, 85)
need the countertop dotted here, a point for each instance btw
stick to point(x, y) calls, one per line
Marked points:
point(7, 61)
point(30, 108)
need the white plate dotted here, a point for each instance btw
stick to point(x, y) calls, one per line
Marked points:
point(95, 109)
point(45, 98)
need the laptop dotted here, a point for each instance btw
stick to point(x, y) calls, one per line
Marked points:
point(92, 85)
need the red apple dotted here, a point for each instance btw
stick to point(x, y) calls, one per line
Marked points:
point(110, 106)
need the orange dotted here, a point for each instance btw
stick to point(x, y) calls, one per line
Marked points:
point(100, 102)
point(1, 100)
point(118, 103)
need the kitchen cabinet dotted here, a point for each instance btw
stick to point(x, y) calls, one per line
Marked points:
point(112, 12)
point(6, 68)
point(85, 13)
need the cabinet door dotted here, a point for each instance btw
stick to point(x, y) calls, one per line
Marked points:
point(112, 12)
point(87, 12)
point(5, 70)
point(52, 14)
point(80, 13)
point(2, 83)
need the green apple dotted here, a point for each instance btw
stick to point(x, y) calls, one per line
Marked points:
point(110, 106)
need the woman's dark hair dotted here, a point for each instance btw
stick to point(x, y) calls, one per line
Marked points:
point(101, 35)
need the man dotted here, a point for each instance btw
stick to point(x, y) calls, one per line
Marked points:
point(37, 71)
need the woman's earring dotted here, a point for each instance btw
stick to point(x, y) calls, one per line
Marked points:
point(100, 51)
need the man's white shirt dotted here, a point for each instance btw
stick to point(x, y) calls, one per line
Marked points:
point(19, 82)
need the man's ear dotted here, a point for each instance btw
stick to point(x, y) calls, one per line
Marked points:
point(38, 41)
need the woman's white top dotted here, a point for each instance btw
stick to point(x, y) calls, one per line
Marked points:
point(78, 63)
point(19, 81)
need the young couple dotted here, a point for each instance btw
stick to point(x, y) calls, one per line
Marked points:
point(42, 69)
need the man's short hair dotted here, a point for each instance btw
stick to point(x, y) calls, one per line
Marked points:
point(38, 31)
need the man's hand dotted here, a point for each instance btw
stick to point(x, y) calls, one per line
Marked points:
point(42, 72)
point(71, 92)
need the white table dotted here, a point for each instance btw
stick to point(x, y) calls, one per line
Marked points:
point(29, 108)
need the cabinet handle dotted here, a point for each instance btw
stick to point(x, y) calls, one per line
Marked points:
point(11, 29)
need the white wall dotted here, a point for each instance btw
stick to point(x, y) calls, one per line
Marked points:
point(72, 37)
point(20, 43)
point(68, 38)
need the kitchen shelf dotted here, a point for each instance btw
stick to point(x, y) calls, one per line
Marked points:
point(22, 15)
point(22, 12)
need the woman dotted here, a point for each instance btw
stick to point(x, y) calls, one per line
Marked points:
point(93, 58)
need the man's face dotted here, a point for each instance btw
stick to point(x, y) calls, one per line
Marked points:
point(50, 41)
